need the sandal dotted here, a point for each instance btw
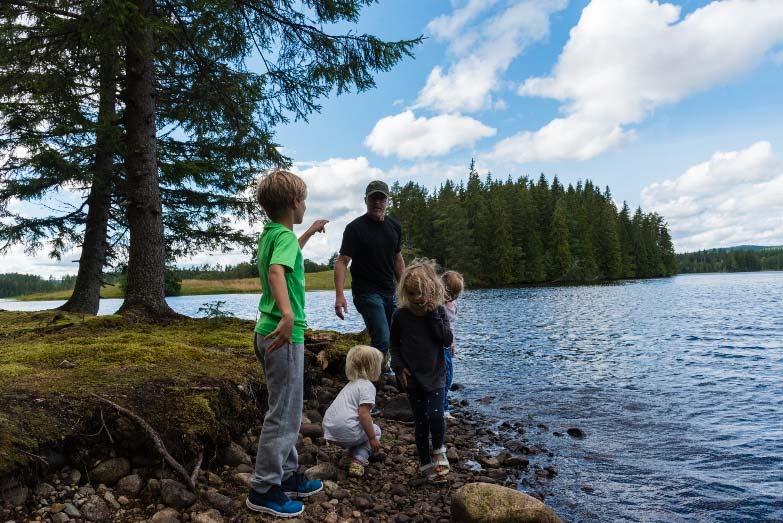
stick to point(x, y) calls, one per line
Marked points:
point(441, 462)
point(356, 469)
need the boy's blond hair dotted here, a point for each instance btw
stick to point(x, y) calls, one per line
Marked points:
point(454, 284)
point(363, 362)
point(421, 278)
point(276, 191)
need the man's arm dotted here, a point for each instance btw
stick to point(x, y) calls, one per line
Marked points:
point(282, 333)
point(399, 265)
point(340, 303)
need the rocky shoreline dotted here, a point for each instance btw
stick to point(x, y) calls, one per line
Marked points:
point(68, 452)
point(132, 489)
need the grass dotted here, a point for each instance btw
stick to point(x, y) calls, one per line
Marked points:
point(195, 380)
point(316, 281)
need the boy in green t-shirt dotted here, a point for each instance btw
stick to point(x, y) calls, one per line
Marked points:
point(279, 346)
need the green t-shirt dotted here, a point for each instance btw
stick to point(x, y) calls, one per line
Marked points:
point(278, 245)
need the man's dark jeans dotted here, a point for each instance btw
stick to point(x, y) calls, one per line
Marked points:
point(376, 310)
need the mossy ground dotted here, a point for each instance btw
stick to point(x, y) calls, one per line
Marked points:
point(316, 281)
point(196, 381)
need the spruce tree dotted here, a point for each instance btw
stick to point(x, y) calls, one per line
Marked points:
point(561, 252)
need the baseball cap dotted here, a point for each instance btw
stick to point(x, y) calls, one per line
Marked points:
point(377, 186)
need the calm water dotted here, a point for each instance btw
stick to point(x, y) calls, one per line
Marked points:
point(678, 384)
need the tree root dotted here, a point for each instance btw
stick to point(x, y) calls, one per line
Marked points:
point(190, 479)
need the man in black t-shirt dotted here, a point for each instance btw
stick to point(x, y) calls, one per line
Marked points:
point(371, 243)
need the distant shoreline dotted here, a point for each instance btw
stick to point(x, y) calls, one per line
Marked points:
point(316, 281)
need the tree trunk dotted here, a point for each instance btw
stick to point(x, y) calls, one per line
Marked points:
point(87, 290)
point(144, 293)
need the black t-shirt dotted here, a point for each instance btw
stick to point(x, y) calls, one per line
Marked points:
point(373, 248)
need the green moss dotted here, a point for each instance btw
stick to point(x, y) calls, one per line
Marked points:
point(192, 379)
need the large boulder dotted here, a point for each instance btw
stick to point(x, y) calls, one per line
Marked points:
point(110, 471)
point(486, 503)
point(398, 408)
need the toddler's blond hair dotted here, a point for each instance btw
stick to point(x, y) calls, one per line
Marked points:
point(421, 278)
point(363, 362)
point(454, 284)
point(276, 191)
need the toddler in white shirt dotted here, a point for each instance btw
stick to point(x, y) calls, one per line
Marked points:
point(347, 421)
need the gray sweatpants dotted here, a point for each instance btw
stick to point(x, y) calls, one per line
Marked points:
point(276, 458)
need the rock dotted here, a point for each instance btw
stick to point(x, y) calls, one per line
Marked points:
point(516, 461)
point(234, 455)
point(175, 494)
point(95, 509)
point(341, 493)
point(398, 408)
point(575, 432)
point(330, 487)
point(110, 471)
point(243, 478)
point(44, 490)
point(486, 400)
point(214, 479)
point(75, 476)
point(311, 430)
point(60, 517)
point(243, 467)
point(314, 415)
point(490, 463)
point(13, 492)
point(167, 515)
point(398, 490)
point(130, 485)
point(123, 500)
point(56, 507)
point(224, 504)
point(210, 516)
point(452, 454)
point(72, 511)
point(322, 471)
point(109, 497)
point(483, 503)
point(362, 503)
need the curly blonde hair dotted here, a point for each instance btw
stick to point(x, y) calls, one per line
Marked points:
point(420, 278)
point(363, 362)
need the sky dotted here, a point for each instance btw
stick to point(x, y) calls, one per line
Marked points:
point(675, 106)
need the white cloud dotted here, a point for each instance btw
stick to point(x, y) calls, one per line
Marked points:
point(447, 27)
point(406, 136)
point(733, 198)
point(483, 53)
point(612, 75)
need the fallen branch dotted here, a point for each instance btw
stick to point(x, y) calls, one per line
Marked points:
point(158, 441)
point(194, 475)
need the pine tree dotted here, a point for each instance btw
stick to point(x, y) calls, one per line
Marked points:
point(197, 123)
point(561, 252)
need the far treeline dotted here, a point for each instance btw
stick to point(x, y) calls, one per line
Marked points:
point(525, 231)
point(738, 259)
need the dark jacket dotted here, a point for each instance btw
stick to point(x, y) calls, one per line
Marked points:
point(416, 344)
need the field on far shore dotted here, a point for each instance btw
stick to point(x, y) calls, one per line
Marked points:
point(316, 281)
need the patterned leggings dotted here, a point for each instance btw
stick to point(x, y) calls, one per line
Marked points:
point(427, 409)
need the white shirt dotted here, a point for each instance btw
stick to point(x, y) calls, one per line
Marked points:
point(341, 421)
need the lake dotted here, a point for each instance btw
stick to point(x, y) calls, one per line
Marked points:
point(677, 383)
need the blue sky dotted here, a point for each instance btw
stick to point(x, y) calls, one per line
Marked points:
point(674, 105)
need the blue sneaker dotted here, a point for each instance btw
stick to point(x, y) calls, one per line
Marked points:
point(274, 502)
point(298, 486)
